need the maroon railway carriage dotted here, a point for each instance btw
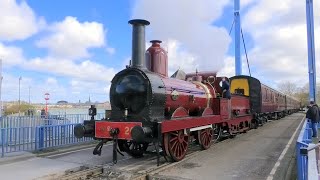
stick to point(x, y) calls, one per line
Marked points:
point(265, 102)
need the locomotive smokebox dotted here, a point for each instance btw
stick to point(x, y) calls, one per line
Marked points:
point(138, 42)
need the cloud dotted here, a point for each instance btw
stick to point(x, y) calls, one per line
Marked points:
point(10, 87)
point(18, 21)
point(52, 81)
point(188, 26)
point(69, 89)
point(11, 55)
point(68, 43)
point(179, 58)
point(97, 91)
point(72, 39)
point(246, 3)
point(85, 70)
point(229, 68)
point(280, 40)
point(92, 87)
point(110, 50)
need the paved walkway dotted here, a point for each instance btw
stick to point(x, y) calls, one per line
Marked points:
point(26, 165)
point(33, 168)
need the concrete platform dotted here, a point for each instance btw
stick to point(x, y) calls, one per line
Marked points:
point(33, 168)
point(27, 165)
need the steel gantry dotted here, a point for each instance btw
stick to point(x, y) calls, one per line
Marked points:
point(311, 51)
point(237, 30)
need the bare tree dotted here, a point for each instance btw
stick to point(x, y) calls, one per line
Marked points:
point(288, 88)
point(302, 94)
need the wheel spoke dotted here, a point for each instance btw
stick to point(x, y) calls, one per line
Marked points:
point(177, 144)
point(185, 142)
point(174, 133)
point(174, 139)
point(176, 152)
point(205, 137)
point(174, 145)
point(181, 149)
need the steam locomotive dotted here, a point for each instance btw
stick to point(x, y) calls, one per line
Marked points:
point(148, 107)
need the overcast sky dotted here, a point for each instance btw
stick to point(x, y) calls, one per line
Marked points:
point(72, 49)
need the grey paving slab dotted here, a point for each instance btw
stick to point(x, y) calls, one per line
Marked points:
point(33, 168)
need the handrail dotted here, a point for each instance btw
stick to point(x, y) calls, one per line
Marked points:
point(305, 153)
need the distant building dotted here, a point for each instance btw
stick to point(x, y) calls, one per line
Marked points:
point(62, 102)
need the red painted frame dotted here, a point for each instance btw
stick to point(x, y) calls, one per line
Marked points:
point(102, 129)
point(191, 122)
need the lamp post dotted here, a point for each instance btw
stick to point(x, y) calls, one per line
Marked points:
point(1, 106)
point(29, 95)
point(46, 97)
point(20, 78)
point(1, 78)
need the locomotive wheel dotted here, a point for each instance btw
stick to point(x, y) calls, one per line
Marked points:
point(254, 124)
point(132, 148)
point(216, 133)
point(176, 144)
point(205, 137)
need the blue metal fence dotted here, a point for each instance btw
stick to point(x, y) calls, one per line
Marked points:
point(29, 133)
point(56, 135)
point(303, 141)
point(33, 121)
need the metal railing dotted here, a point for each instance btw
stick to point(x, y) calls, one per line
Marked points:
point(304, 154)
point(30, 133)
point(56, 135)
point(33, 121)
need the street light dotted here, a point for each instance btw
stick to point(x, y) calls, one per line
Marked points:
point(46, 97)
point(1, 106)
point(20, 78)
point(1, 78)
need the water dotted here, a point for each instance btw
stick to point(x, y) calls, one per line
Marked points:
point(72, 111)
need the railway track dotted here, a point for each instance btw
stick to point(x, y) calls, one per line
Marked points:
point(82, 172)
point(85, 173)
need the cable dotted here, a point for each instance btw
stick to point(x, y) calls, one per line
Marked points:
point(244, 45)
point(231, 26)
point(245, 50)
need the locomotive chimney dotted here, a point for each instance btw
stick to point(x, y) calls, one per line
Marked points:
point(138, 42)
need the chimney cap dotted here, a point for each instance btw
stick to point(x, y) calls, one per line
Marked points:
point(156, 41)
point(139, 22)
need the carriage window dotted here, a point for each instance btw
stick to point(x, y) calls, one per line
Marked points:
point(266, 94)
point(239, 91)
